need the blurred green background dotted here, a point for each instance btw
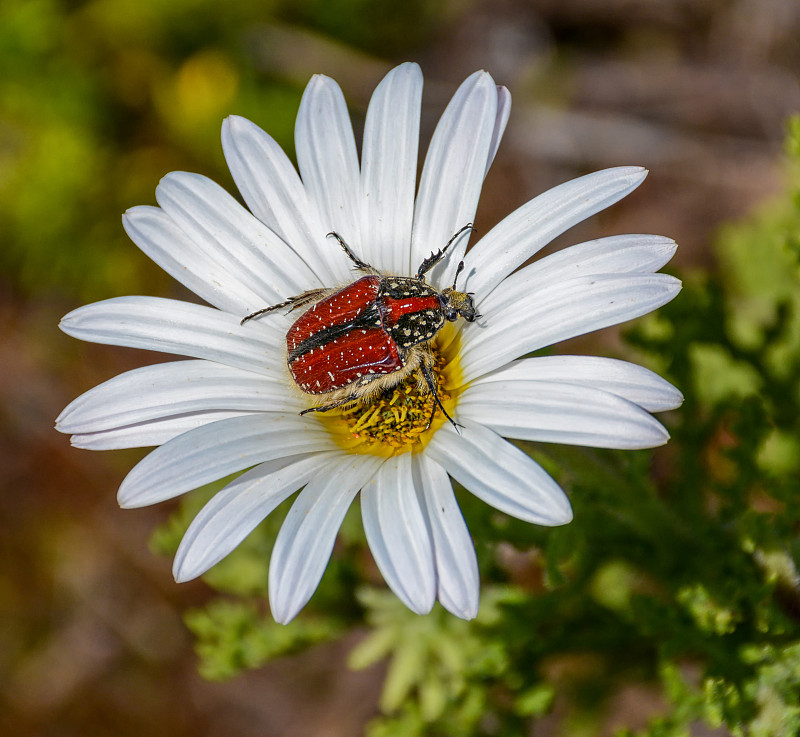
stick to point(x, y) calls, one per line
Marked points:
point(98, 100)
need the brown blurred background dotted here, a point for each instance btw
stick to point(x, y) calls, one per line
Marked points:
point(98, 100)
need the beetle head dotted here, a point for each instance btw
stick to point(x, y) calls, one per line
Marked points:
point(457, 303)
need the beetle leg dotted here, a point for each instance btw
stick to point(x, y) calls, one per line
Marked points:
point(295, 302)
point(428, 263)
point(429, 380)
point(360, 265)
point(332, 405)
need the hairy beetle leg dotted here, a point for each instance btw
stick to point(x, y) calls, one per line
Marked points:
point(429, 380)
point(360, 265)
point(436, 257)
point(293, 303)
point(332, 405)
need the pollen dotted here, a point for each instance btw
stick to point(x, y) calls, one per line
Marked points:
point(401, 419)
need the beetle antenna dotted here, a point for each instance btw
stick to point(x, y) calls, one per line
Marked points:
point(360, 265)
point(435, 258)
point(459, 269)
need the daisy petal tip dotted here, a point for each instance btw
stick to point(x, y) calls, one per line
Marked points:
point(125, 503)
point(486, 79)
point(65, 322)
point(177, 179)
point(659, 437)
point(480, 78)
point(668, 245)
point(283, 612)
point(561, 513)
point(235, 125)
point(408, 68)
point(319, 81)
point(560, 517)
point(190, 561)
point(629, 176)
point(466, 615)
point(283, 617)
point(421, 606)
point(230, 121)
point(130, 498)
point(61, 424)
point(284, 604)
point(466, 609)
point(675, 285)
point(180, 574)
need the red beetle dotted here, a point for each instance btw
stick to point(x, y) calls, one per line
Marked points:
point(366, 338)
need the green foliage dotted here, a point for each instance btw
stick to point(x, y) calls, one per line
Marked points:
point(383, 27)
point(99, 100)
point(440, 667)
point(678, 574)
point(234, 635)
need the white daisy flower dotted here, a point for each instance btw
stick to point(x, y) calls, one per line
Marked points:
point(235, 406)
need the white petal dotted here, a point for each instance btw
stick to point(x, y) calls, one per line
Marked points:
point(494, 470)
point(235, 511)
point(501, 120)
point(175, 388)
point(520, 235)
point(164, 242)
point(560, 413)
point(389, 169)
point(170, 326)
point(560, 311)
point(398, 535)
point(457, 580)
point(328, 161)
point(272, 188)
point(617, 254)
point(149, 434)
point(627, 380)
point(306, 539)
point(216, 450)
point(453, 174)
point(239, 243)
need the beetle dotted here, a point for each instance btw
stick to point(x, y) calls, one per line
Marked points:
point(367, 337)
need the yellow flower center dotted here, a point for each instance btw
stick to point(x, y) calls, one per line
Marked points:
point(402, 419)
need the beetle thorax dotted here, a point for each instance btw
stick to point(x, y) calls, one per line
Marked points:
point(410, 309)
